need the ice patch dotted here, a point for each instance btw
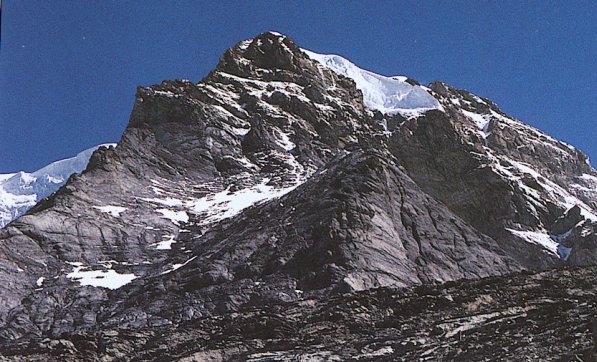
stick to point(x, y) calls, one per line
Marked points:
point(385, 94)
point(564, 252)
point(40, 281)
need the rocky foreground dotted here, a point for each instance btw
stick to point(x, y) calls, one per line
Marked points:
point(549, 316)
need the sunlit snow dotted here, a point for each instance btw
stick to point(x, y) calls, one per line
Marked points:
point(168, 201)
point(100, 278)
point(115, 211)
point(178, 266)
point(225, 204)
point(539, 238)
point(385, 94)
point(480, 121)
point(174, 216)
point(166, 244)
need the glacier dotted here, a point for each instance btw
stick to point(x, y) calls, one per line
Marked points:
point(388, 95)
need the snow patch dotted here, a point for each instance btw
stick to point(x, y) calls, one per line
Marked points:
point(166, 244)
point(225, 204)
point(556, 191)
point(168, 201)
point(178, 266)
point(378, 353)
point(174, 216)
point(539, 238)
point(285, 142)
point(100, 278)
point(480, 121)
point(115, 211)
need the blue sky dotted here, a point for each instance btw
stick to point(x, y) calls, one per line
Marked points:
point(69, 69)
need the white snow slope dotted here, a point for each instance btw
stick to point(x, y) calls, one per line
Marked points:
point(20, 191)
point(386, 94)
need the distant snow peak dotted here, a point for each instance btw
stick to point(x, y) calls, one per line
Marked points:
point(388, 95)
point(275, 33)
point(22, 190)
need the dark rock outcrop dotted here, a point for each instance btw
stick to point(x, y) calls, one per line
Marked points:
point(548, 316)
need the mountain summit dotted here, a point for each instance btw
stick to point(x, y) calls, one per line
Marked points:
point(286, 176)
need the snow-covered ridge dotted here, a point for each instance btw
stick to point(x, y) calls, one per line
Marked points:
point(386, 94)
point(22, 190)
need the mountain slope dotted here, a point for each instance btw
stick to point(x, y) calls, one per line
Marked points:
point(278, 178)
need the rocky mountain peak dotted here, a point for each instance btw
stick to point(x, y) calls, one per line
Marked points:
point(285, 175)
point(269, 56)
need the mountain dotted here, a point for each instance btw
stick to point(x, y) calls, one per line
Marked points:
point(289, 178)
point(22, 190)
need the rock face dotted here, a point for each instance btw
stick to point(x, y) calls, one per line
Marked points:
point(278, 179)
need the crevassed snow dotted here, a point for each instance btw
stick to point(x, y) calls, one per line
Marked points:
point(115, 211)
point(100, 278)
point(385, 94)
point(12, 206)
point(6, 176)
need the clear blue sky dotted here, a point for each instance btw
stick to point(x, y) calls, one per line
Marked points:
point(68, 69)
